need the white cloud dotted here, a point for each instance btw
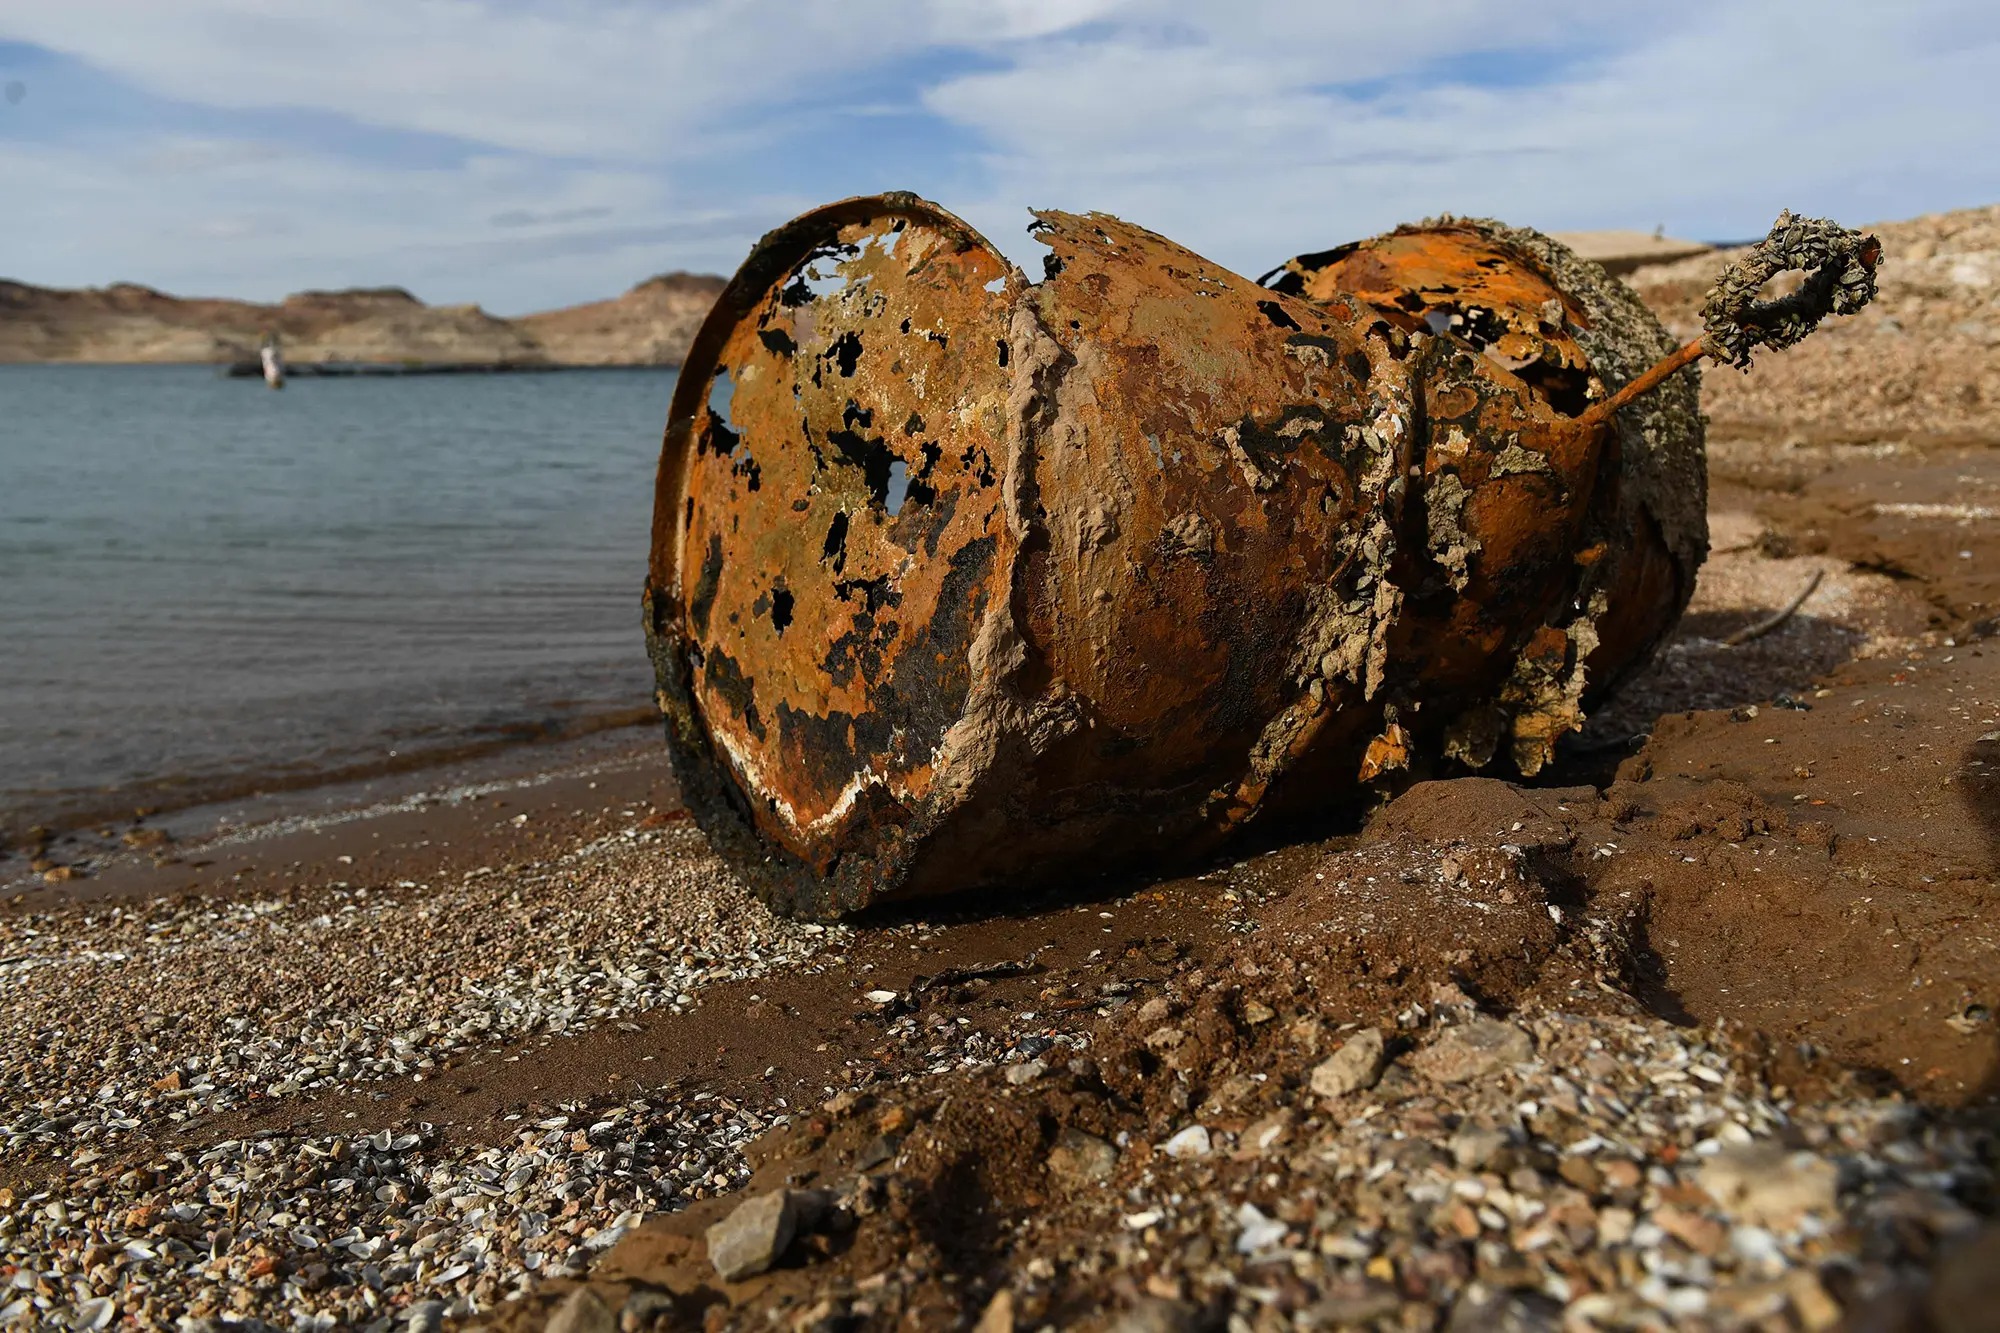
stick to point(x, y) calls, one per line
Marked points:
point(601, 79)
point(1249, 154)
point(612, 138)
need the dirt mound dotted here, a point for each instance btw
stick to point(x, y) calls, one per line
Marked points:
point(1457, 1075)
point(1923, 360)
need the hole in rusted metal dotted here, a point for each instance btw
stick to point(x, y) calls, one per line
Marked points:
point(1272, 311)
point(835, 549)
point(1567, 391)
point(871, 454)
point(720, 394)
point(781, 608)
point(846, 352)
point(899, 486)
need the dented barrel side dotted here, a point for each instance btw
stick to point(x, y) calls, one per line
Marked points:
point(1207, 468)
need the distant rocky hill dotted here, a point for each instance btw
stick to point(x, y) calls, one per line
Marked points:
point(652, 324)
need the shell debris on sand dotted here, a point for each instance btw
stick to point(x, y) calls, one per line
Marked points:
point(186, 1007)
point(180, 1009)
point(121, 1201)
point(316, 1231)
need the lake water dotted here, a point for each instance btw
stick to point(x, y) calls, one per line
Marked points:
point(206, 585)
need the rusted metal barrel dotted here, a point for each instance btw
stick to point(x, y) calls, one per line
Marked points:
point(961, 582)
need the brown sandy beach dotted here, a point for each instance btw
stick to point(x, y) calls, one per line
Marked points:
point(1696, 1030)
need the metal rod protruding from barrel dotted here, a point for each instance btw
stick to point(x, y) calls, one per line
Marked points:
point(1840, 265)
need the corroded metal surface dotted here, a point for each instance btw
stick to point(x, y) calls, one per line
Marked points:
point(1624, 565)
point(962, 581)
point(828, 533)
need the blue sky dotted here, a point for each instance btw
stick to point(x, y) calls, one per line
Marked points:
point(529, 153)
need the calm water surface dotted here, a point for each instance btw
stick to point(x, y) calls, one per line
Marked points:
point(202, 580)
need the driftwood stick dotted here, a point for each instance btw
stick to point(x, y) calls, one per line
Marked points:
point(1771, 622)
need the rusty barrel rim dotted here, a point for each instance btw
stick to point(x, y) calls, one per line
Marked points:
point(735, 765)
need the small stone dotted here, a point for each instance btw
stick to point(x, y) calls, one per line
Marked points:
point(1765, 1184)
point(1355, 1066)
point(998, 1316)
point(1615, 1226)
point(1819, 1311)
point(645, 1307)
point(1582, 1173)
point(1702, 1235)
point(1231, 1093)
point(1153, 1315)
point(1965, 1289)
point(1190, 1142)
point(1266, 1135)
point(424, 1317)
point(753, 1237)
point(1256, 1013)
point(1481, 1309)
point(1353, 1305)
point(583, 1311)
point(1256, 1231)
point(1080, 1157)
point(1475, 1149)
point(876, 1151)
point(1473, 1050)
point(1026, 1073)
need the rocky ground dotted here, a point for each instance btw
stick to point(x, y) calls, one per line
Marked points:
point(1697, 1030)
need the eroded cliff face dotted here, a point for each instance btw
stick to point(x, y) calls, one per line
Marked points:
point(651, 324)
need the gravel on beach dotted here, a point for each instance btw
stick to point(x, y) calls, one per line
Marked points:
point(127, 1021)
point(180, 1008)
